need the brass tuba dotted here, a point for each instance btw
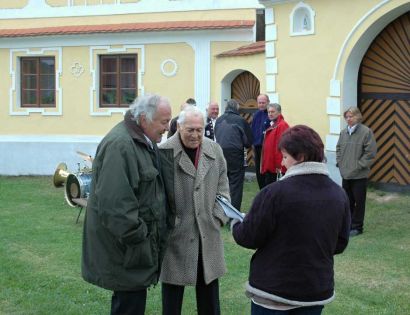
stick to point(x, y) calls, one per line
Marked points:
point(60, 175)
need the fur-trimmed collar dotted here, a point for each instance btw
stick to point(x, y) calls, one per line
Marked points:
point(306, 168)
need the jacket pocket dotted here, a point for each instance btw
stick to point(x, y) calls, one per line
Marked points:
point(140, 255)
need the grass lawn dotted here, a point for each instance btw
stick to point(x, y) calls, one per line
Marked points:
point(40, 248)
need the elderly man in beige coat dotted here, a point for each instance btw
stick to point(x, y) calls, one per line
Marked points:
point(195, 255)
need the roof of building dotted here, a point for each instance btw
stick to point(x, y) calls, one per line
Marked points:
point(127, 27)
point(251, 49)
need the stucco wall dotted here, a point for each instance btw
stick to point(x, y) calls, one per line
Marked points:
point(306, 65)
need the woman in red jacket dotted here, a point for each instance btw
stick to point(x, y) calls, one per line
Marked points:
point(271, 159)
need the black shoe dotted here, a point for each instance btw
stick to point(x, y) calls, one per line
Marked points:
point(355, 232)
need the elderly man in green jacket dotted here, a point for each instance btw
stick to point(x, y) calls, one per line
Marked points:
point(130, 208)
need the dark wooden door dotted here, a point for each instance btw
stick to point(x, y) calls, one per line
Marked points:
point(245, 89)
point(384, 100)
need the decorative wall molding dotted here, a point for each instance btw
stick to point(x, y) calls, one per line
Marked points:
point(271, 60)
point(95, 51)
point(302, 20)
point(202, 49)
point(40, 8)
point(77, 69)
point(15, 108)
point(169, 68)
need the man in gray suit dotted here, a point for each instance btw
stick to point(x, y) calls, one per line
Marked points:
point(194, 255)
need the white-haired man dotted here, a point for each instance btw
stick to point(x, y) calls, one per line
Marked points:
point(212, 112)
point(129, 210)
point(194, 256)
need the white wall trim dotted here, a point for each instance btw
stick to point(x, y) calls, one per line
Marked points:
point(15, 108)
point(48, 151)
point(270, 50)
point(202, 50)
point(131, 38)
point(269, 16)
point(40, 9)
point(271, 65)
point(352, 32)
point(271, 60)
point(271, 32)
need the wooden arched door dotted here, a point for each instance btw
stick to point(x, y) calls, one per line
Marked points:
point(384, 100)
point(245, 89)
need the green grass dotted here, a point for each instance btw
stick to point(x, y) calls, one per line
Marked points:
point(40, 249)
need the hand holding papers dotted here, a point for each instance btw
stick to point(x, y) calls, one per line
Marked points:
point(229, 210)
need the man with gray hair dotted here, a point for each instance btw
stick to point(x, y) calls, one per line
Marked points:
point(194, 256)
point(271, 157)
point(212, 112)
point(234, 134)
point(130, 210)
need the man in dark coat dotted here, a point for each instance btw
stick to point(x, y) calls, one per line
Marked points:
point(212, 112)
point(129, 213)
point(233, 134)
point(258, 120)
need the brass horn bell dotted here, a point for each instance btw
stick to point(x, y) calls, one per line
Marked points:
point(60, 175)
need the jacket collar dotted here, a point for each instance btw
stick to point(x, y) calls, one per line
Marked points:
point(176, 144)
point(135, 130)
point(306, 168)
point(231, 111)
point(206, 156)
point(358, 126)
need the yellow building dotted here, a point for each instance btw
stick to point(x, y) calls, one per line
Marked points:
point(315, 57)
point(71, 68)
point(325, 56)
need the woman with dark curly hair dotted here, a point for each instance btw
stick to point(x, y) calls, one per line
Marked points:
point(296, 225)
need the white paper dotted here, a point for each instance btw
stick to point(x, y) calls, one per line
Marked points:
point(230, 211)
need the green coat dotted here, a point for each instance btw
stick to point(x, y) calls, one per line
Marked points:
point(129, 216)
point(355, 153)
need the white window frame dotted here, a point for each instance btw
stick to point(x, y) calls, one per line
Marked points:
point(95, 52)
point(15, 108)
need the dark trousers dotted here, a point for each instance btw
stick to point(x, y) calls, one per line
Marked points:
point(257, 151)
point(311, 310)
point(236, 178)
point(269, 178)
point(128, 302)
point(356, 191)
point(207, 296)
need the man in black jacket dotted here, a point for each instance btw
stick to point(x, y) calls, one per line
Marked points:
point(212, 112)
point(234, 134)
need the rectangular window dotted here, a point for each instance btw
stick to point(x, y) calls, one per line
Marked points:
point(38, 82)
point(118, 80)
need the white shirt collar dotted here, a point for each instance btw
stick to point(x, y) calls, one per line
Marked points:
point(149, 141)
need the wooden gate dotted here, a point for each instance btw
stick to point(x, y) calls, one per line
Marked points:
point(245, 89)
point(384, 100)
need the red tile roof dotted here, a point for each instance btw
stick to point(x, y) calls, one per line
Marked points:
point(127, 27)
point(252, 49)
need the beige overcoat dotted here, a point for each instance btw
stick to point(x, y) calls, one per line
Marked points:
point(198, 216)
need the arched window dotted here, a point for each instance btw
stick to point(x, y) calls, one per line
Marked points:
point(302, 20)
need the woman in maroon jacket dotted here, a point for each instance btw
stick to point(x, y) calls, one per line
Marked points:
point(296, 225)
point(271, 159)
